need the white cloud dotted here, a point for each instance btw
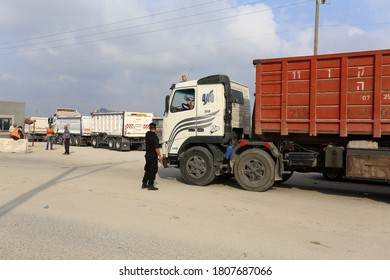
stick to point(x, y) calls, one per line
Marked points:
point(53, 52)
point(353, 31)
point(8, 77)
point(65, 79)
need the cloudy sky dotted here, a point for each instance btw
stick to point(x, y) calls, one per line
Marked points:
point(125, 54)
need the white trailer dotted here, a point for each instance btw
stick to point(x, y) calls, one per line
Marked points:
point(79, 126)
point(121, 130)
point(36, 131)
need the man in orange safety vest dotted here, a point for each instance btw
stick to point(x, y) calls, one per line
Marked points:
point(49, 136)
point(15, 134)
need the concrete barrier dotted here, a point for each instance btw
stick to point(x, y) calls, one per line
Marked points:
point(8, 145)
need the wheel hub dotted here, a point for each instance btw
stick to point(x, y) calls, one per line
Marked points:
point(254, 170)
point(196, 167)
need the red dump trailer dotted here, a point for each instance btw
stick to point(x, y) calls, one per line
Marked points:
point(325, 113)
point(340, 94)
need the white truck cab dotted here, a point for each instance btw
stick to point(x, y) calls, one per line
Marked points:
point(202, 119)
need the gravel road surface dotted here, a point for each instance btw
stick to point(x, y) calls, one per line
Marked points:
point(90, 205)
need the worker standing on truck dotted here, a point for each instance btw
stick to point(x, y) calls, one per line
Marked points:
point(152, 157)
point(49, 136)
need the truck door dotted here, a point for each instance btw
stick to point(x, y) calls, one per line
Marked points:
point(181, 121)
point(210, 105)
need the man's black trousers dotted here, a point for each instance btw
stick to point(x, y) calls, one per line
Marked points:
point(151, 168)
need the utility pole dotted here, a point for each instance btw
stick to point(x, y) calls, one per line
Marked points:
point(318, 2)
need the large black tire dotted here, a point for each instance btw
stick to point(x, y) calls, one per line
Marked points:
point(59, 139)
point(333, 174)
point(77, 141)
point(140, 146)
point(95, 142)
point(196, 166)
point(72, 140)
point(255, 170)
point(118, 144)
point(111, 143)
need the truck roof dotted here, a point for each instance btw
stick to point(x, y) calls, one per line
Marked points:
point(67, 112)
point(192, 83)
point(140, 114)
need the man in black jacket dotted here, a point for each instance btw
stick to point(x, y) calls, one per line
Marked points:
point(152, 157)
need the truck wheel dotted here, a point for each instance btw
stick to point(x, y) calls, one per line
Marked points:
point(196, 166)
point(332, 174)
point(95, 142)
point(140, 147)
point(72, 140)
point(255, 170)
point(59, 140)
point(77, 140)
point(111, 144)
point(118, 144)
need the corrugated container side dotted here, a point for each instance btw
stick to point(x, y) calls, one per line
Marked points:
point(343, 94)
point(110, 123)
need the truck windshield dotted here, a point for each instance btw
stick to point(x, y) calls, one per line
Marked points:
point(183, 99)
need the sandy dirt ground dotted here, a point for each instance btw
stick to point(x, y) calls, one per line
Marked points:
point(90, 205)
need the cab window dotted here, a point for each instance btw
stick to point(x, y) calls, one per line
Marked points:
point(183, 100)
point(237, 97)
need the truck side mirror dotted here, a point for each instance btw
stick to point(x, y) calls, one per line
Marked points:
point(167, 104)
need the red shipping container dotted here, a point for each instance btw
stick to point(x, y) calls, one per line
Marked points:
point(338, 94)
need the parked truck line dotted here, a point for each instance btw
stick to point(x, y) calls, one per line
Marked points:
point(79, 126)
